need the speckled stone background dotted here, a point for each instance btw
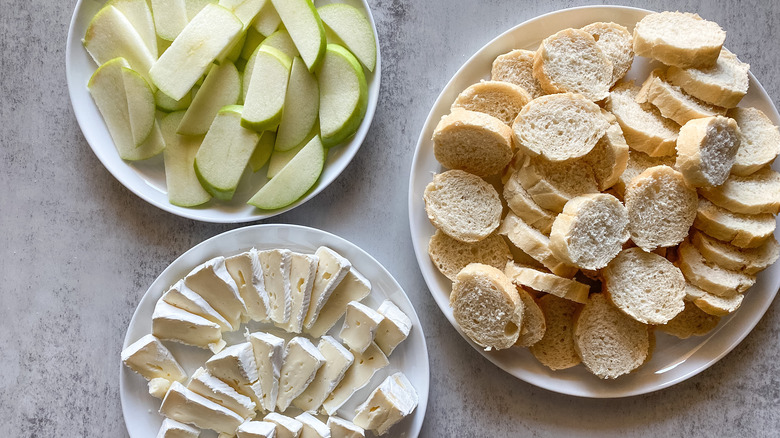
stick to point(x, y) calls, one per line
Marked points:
point(78, 250)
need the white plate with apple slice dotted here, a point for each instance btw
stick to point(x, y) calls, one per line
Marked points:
point(147, 178)
point(410, 357)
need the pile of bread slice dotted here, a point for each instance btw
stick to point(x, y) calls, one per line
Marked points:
point(581, 211)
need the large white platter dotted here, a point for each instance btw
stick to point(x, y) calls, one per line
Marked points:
point(147, 178)
point(411, 357)
point(674, 360)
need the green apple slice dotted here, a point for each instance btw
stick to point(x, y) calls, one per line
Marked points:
point(267, 89)
point(111, 35)
point(301, 107)
point(170, 18)
point(245, 10)
point(279, 159)
point(278, 40)
point(167, 104)
point(294, 180)
point(196, 47)
point(353, 29)
point(138, 97)
point(139, 15)
point(302, 22)
point(267, 20)
point(182, 183)
point(225, 152)
point(222, 87)
point(253, 39)
point(343, 95)
point(263, 150)
point(195, 6)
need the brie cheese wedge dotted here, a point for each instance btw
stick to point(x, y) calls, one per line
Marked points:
point(389, 403)
point(174, 429)
point(337, 361)
point(341, 428)
point(183, 405)
point(358, 375)
point(394, 329)
point(354, 287)
point(256, 429)
point(269, 356)
point(179, 325)
point(331, 269)
point(236, 366)
point(276, 264)
point(302, 272)
point(360, 324)
point(312, 427)
point(151, 359)
point(246, 271)
point(214, 389)
point(158, 387)
point(212, 281)
point(301, 362)
point(286, 427)
point(179, 295)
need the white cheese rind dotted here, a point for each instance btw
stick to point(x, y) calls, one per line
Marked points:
point(179, 295)
point(214, 389)
point(303, 270)
point(331, 270)
point(151, 359)
point(357, 376)
point(269, 356)
point(256, 429)
point(301, 362)
point(389, 403)
point(286, 427)
point(312, 427)
point(394, 329)
point(360, 324)
point(354, 287)
point(185, 406)
point(236, 366)
point(337, 361)
point(341, 428)
point(176, 429)
point(246, 271)
point(276, 264)
point(172, 323)
point(212, 281)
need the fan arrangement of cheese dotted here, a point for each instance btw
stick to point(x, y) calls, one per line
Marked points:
point(293, 384)
point(582, 212)
point(219, 87)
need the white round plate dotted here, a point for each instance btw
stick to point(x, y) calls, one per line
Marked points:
point(147, 178)
point(411, 356)
point(673, 360)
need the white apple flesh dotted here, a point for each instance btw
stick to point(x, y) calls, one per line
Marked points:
point(267, 89)
point(301, 107)
point(182, 183)
point(222, 87)
point(267, 20)
point(138, 97)
point(139, 15)
point(343, 95)
point(353, 29)
point(278, 40)
point(170, 18)
point(302, 22)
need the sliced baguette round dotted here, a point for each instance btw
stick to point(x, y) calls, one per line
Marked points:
point(517, 67)
point(759, 142)
point(552, 185)
point(462, 205)
point(678, 38)
point(637, 163)
point(644, 128)
point(559, 127)
point(501, 100)
point(706, 149)
point(609, 157)
point(719, 306)
point(742, 230)
point(609, 343)
point(472, 141)
point(661, 208)
point(645, 286)
point(524, 206)
point(546, 282)
point(556, 348)
point(451, 255)
point(692, 321)
point(693, 293)
point(486, 306)
point(617, 44)
point(532, 242)
point(756, 193)
point(723, 84)
point(590, 231)
point(534, 324)
point(672, 102)
point(734, 258)
point(709, 276)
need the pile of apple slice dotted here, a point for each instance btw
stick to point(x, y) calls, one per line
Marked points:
point(221, 85)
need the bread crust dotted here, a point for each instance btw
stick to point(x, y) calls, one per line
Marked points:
point(678, 38)
point(475, 142)
point(706, 149)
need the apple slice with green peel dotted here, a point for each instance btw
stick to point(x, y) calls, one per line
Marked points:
point(253, 39)
point(294, 180)
point(279, 159)
point(267, 89)
point(222, 87)
point(111, 35)
point(182, 183)
point(195, 6)
point(138, 96)
point(196, 47)
point(170, 18)
point(301, 107)
point(140, 16)
point(278, 40)
point(225, 152)
point(245, 10)
point(343, 95)
point(353, 29)
point(302, 22)
point(263, 150)
point(167, 104)
point(267, 20)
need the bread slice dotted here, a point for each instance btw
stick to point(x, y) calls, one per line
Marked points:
point(645, 286)
point(617, 43)
point(552, 185)
point(546, 282)
point(723, 84)
point(534, 243)
point(462, 205)
point(672, 102)
point(534, 325)
point(706, 149)
point(556, 348)
point(571, 61)
point(661, 208)
point(517, 67)
point(719, 306)
point(486, 306)
point(734, 258)
point(692, 321)
point(759, 141)
point(742, 230)
point(756, 193)
point(475, 142)
point(559, 127)
point(678, 38)
point(644, 128)
point(637, 163)
point(609, 343)
point(501, 100)
point(451, 255)
point(590, 231)
point(709, 276)
point(693, 293)
point(523, 205)
point(609, 157)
